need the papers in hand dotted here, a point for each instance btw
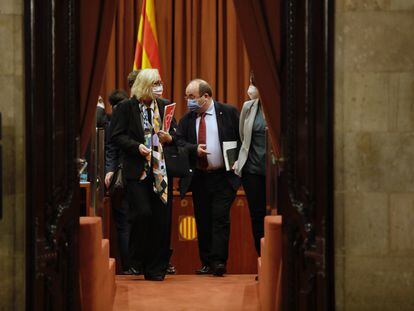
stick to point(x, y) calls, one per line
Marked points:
point(229, 153)
point(168, 116)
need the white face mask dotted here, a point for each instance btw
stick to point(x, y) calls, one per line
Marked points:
point(157, 91)
point(253, 92)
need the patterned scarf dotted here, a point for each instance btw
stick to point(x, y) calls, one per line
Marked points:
point(157, 155)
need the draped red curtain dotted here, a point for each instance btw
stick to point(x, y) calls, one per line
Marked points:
point(96, 19)
point(196, 39)
point(121, 47)
point(260, 24)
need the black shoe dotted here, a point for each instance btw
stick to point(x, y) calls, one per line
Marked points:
point(132, 271)
point(219, 269)
point(171, 269)
point(204, 270)
point(154, 277)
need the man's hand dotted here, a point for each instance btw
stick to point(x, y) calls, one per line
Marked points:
point(202, 150)
point(164, 137)
point(144, 151)
point(108, 178)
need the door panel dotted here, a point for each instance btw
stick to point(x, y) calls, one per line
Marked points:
point(306, 181)
point(51, 135)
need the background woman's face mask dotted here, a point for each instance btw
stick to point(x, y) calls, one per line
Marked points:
point(253, 92)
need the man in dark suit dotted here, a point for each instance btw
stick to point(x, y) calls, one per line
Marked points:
point(119, 203)
point(202, 131)
point(112, 151)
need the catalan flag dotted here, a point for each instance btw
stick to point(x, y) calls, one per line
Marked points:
point(146, 50)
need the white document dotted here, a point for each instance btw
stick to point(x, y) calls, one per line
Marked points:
point(229, 146)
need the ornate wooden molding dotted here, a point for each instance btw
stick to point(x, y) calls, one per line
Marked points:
point(51, 60)
point(307, 70)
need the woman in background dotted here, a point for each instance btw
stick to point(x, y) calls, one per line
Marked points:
point(251, 163)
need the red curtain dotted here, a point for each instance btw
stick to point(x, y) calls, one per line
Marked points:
point(121, 47)
point(196, 39)
point(260, 24)
point(96, 19)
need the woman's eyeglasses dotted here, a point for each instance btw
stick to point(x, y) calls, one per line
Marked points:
point(157, 83)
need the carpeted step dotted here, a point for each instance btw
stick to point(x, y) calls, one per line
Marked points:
point(262, 246)
point(105, 249)
point(271, 264)
point(112, 275)
point(259, 268)
point(97, 276)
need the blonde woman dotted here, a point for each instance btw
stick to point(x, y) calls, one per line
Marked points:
point(136, 130)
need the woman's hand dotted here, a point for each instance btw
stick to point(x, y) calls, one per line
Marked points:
point(164, 137)
point(144, 151)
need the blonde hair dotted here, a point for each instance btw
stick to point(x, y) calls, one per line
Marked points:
point(142, 87)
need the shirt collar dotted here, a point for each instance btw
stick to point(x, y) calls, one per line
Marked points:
point(143, 106)
point(210, 109)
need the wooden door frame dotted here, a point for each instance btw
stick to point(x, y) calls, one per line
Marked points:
point(52, 209)
point(317, 103)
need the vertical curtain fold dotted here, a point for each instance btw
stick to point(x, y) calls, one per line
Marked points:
point(96, 19)
point(120, 57)
point(260, 24)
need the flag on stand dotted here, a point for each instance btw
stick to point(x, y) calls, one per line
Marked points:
point(146, 50)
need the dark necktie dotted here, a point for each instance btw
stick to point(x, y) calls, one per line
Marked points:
point(149, 114)
point(202, 140)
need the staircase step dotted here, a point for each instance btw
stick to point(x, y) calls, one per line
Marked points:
point(271, 263)
point(262, 246)
point(105, 249)
point(97, 270)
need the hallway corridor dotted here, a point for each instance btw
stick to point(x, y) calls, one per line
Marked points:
point(187, 292)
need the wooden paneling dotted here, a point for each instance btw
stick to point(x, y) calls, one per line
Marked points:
point(242, 254)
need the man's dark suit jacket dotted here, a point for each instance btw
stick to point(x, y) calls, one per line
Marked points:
point(112, 152)
point(128, 133)
point(186, 136)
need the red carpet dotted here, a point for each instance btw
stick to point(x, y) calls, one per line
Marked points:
point(187, 292)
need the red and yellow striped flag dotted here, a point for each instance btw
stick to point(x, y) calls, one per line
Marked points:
point(146, 50)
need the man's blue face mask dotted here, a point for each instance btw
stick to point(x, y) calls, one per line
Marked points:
point(193, 105)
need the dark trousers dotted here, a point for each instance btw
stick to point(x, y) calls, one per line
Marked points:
point(149, 218)
point(255, 188)
point(120, 213)
point(212, 197)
